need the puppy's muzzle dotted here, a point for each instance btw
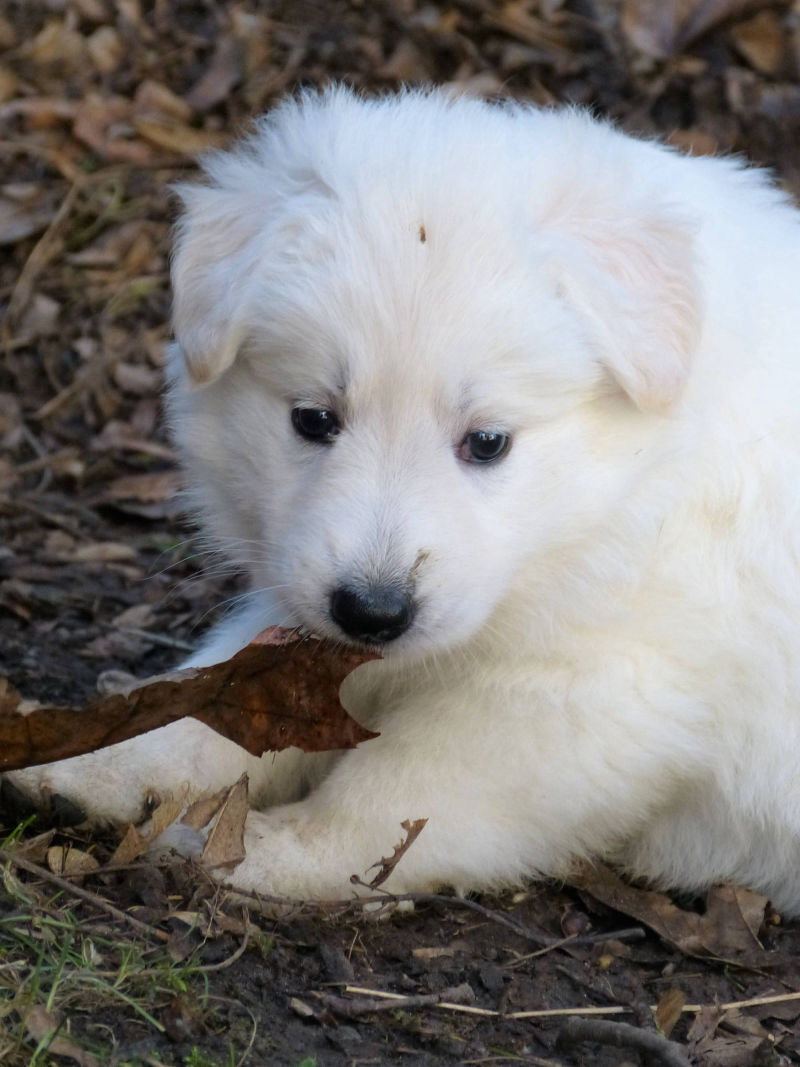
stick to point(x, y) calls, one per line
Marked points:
point(374, 615)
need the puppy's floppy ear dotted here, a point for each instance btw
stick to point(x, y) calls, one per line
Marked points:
point(630, 274)
point(211, 268)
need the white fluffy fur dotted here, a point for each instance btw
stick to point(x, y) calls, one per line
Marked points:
point(605, 657)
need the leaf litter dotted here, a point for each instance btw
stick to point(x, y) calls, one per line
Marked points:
point(102, 106)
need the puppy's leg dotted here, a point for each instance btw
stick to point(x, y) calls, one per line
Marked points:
point(514, 780)
point(120, 783)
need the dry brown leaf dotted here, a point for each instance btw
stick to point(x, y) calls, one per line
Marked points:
point(225, 844)
point(40, 1024)
point(145, 488)
point(652, 26)
point(63, 859)
point(726, 1050)
point(26, 208)
point(663, 29)
point(202, 811)
point(388, 863)
point(762, 41)
point(106, 49)
point(122, 436)
point(104, 124)
point(222, 75)
point(169, 133)
point(669, 1009)
point(104, 552)
point(35, 848)
point(137, 379)
point(279, 691)
point(155, 96)
point(130, 848)
point(726, 931)
point(41, 317)
point(705, 14)
point(57, 43)
point(432, 953)
point(165, 815)
point(515, 19)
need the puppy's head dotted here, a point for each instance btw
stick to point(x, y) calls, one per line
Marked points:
point(425, 348)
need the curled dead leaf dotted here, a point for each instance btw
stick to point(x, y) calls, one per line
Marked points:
point(388, 863)
point(278, 692)
point(224, 847)
point(727, 930)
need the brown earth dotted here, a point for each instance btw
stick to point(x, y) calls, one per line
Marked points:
point(102, 105)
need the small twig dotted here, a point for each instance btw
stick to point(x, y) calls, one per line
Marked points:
point(44, 248)
point(612, 1009)
point(535, 1061)
point(754, 1002)
point(630, 933)
point(462, 902)
point(622, 1035)
point(207, 968)
point(456, 997)
point(544, 1013)
point(82, 894)
point(156, 638)
point(545, 943)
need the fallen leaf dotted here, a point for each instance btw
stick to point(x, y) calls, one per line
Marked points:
point(387, 864)
point(669, 1009)
point(155, 96)
point(104, 124)
point(59, 44)
point(169, 133)
point(652, 26)
point(106, 49)
point(26, 208)
point(104, 552)
point(62, 859)
point(432, 953)
point(222, 75)
point(130, 848)
point(225, 844)
point(762, 41)
point(726, 931)
point(35, 848)
point(202, 811)
point(281, 690)
point(41, 1024)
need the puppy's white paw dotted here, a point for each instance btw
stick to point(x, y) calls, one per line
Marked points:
point(293, 854)
point(84, 789)
point(122, 783)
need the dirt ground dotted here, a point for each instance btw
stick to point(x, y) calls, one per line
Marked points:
point(102, 106)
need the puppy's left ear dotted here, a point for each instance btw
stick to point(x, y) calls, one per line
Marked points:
point(211, 267)
point(632, 278)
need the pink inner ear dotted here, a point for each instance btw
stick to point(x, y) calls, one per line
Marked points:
point(634, 281)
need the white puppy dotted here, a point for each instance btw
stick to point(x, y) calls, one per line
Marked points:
point(513, 397)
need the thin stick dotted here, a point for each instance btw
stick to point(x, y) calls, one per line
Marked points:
point(755, 1002)
point(82, 894)
point(459, 996)
point(691, 1009)
point(206, 968)
point(381, 994)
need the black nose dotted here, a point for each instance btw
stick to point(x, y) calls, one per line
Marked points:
point(378, 614)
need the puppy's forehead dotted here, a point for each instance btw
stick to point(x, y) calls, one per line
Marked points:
point(402, 259)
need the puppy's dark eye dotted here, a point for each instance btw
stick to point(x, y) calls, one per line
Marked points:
point(484, 446)
point(315, 424)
